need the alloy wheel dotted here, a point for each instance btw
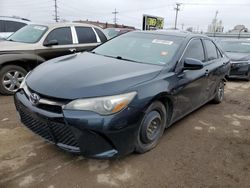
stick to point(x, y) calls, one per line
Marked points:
point(12, 80)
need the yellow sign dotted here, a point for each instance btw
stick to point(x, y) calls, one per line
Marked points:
point(152, 22)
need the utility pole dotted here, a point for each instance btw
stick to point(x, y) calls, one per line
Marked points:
point(115, 18)
point(177, 9)
point(56, 12)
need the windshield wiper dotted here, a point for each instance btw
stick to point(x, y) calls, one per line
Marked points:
point(233, 51)
point(121, 58)
point(93, 52)
point(117, 57)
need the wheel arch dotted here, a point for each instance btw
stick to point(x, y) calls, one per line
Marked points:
point(27, 65)
point(26, 61)
point(167, 100)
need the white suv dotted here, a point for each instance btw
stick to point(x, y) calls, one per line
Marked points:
point(9, 25)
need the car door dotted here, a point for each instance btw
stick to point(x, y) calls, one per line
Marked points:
point(191, 83)
point(63, 37)
point(87, 38)
point(213, 64)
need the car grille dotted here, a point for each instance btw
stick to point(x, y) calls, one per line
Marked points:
point(235, 70)
point(50, 108)
point(50, 104)
point(54, 132)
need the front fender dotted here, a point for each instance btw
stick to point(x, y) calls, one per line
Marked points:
point(160, 87)
point(20, 57)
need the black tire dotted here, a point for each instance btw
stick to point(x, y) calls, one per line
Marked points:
point(16, 80)
point(219, 93)
point(155, 118)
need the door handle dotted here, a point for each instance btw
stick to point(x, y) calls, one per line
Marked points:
point(72, 50)
point(206, 73)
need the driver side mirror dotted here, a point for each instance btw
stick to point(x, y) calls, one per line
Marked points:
point(50, 43)
point(192, 64)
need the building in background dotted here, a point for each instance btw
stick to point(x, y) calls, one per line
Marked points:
point(238, 28)
point(105, 25)
point(216, 25)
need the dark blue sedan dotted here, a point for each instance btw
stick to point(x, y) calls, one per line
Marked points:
point(121, 96)
point(238, 50)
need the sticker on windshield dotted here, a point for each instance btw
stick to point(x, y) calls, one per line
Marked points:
point(162, 63)
point(40, 28)
point(244, 43)
point(166, 42)
point(164, 53)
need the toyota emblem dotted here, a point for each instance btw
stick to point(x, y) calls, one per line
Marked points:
point(34, 98)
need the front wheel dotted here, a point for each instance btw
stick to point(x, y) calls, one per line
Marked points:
point(151, 128)
point(219, 96)
point(11, 77)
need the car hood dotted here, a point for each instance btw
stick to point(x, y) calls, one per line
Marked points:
point(88, 75)
point(7, 46)
point(238, 56)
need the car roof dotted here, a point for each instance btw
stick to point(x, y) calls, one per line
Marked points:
point(235, 40)
point(65, 24)
point(184, 34)
point(16, 19)
point(127, 29)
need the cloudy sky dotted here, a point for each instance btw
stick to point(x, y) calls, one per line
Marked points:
point(194, 13)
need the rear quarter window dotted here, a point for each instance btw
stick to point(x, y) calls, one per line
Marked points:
point(101, 35)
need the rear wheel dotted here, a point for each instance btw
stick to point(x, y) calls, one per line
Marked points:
point(219, 93)
point(152, 127)
point(11, 77)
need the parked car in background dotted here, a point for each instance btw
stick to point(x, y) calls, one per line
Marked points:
point(113, 32)
point(9, 25)
point(34, 44)
point(121, 96)
point(238, 50)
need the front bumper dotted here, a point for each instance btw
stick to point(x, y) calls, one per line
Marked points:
point(86, 133)
point(239, 70)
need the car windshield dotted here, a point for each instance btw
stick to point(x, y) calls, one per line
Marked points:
point(111, 33)
point(141, 47)
point(236, 46)
point(28, 34)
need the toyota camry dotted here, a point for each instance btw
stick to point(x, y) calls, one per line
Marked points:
point(120, 97)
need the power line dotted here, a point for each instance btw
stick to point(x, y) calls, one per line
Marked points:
point(177, 9)
point(115, 17)
point(218, 4)
point(56, 12)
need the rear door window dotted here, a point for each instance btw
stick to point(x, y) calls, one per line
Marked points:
point(85, 35)
point(212, 52)
point(195, 50)
point(62, 35)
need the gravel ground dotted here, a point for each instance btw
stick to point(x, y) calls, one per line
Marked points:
point(209, 148)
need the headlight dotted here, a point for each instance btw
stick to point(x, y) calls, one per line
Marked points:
point(102, 105)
